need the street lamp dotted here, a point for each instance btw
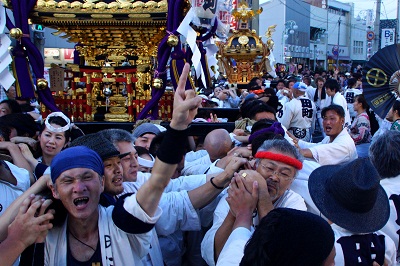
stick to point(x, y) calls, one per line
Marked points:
point(367, 17)
point(290, 28)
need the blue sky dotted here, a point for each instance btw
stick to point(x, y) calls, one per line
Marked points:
point(388, 7)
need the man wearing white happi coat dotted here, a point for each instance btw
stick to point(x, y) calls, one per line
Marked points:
point(277, 165)
point(299, 113)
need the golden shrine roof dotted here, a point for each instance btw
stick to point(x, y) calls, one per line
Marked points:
point(111, 24)
point(96, 12)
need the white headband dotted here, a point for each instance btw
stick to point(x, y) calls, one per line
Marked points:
point(145, 162)
point(58, 129)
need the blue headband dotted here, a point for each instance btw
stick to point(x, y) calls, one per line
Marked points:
point(76, 157)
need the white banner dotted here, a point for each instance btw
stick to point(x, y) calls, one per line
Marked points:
point(370, 18)
point(6, 79)
point(388, 37)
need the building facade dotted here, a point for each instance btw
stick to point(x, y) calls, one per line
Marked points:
point(316, 34)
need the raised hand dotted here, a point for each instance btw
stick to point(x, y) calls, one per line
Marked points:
point(264, 204)
point(26, 152)
point(32, 223)
point(186, 103)
point(242, 202)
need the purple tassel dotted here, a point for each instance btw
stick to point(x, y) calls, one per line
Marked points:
point(21, 9)
point(174, 17)
point(24, 82)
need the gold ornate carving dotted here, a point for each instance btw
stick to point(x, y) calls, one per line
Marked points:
point(64, 16)
point(116, 58)
point(110, 80)
point(137, 5)
point(51, 4)
point(119, 6)
point(40, 4)
point(73, 67)
point(244, 13)
point(16, 33)
point(243, 40)
point(101, 16)
point(76, 5)
point(64, 4)
point(107, 70)
point(163, 4)
point(129, 79)
point(114, 6)
point(271, 29)
point(139, 15)
point(133, 39)
point(118, 109)
point(101, 6)
point(88, 5)
point(116, 117)
point(246, 56)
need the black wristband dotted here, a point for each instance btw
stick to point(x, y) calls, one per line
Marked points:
point(214, 185)
point(172, 147)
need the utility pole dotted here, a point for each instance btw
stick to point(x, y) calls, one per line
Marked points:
point(398, 22)
point(338, 41)
point(377, 26)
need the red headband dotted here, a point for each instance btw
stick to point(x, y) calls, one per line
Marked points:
point(258, 91)
point(280, 158)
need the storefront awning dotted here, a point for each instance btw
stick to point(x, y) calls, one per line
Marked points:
point(345, 58)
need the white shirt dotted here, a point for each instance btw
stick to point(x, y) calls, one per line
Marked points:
point(341, 150)
point(291, 200)
point(320, 103)
point(300, 185)
point(178, 214)
point(338, 99)
point(232, 252)
point(196, 162)
point(349, 95)
point(365, 247)
point(117, 246)
point(310, 92)
point(392, 188)
point(181, 183)
point(9, 192)
point(298, 113)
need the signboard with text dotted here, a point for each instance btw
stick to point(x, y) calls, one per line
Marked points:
point(234, 23)
point(388, 37)
point(68, 54)
point(317, 3)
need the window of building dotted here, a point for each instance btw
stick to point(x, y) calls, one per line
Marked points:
point(358, 47)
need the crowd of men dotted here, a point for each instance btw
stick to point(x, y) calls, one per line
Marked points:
point(267, 193)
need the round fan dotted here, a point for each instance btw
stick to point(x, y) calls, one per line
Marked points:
point(381, 79)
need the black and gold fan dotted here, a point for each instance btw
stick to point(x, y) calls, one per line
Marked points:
point(381, 79)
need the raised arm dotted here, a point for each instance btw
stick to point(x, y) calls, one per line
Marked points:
point(172, 148)
point(304, 151)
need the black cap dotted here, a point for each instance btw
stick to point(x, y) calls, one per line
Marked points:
point(99, 144)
